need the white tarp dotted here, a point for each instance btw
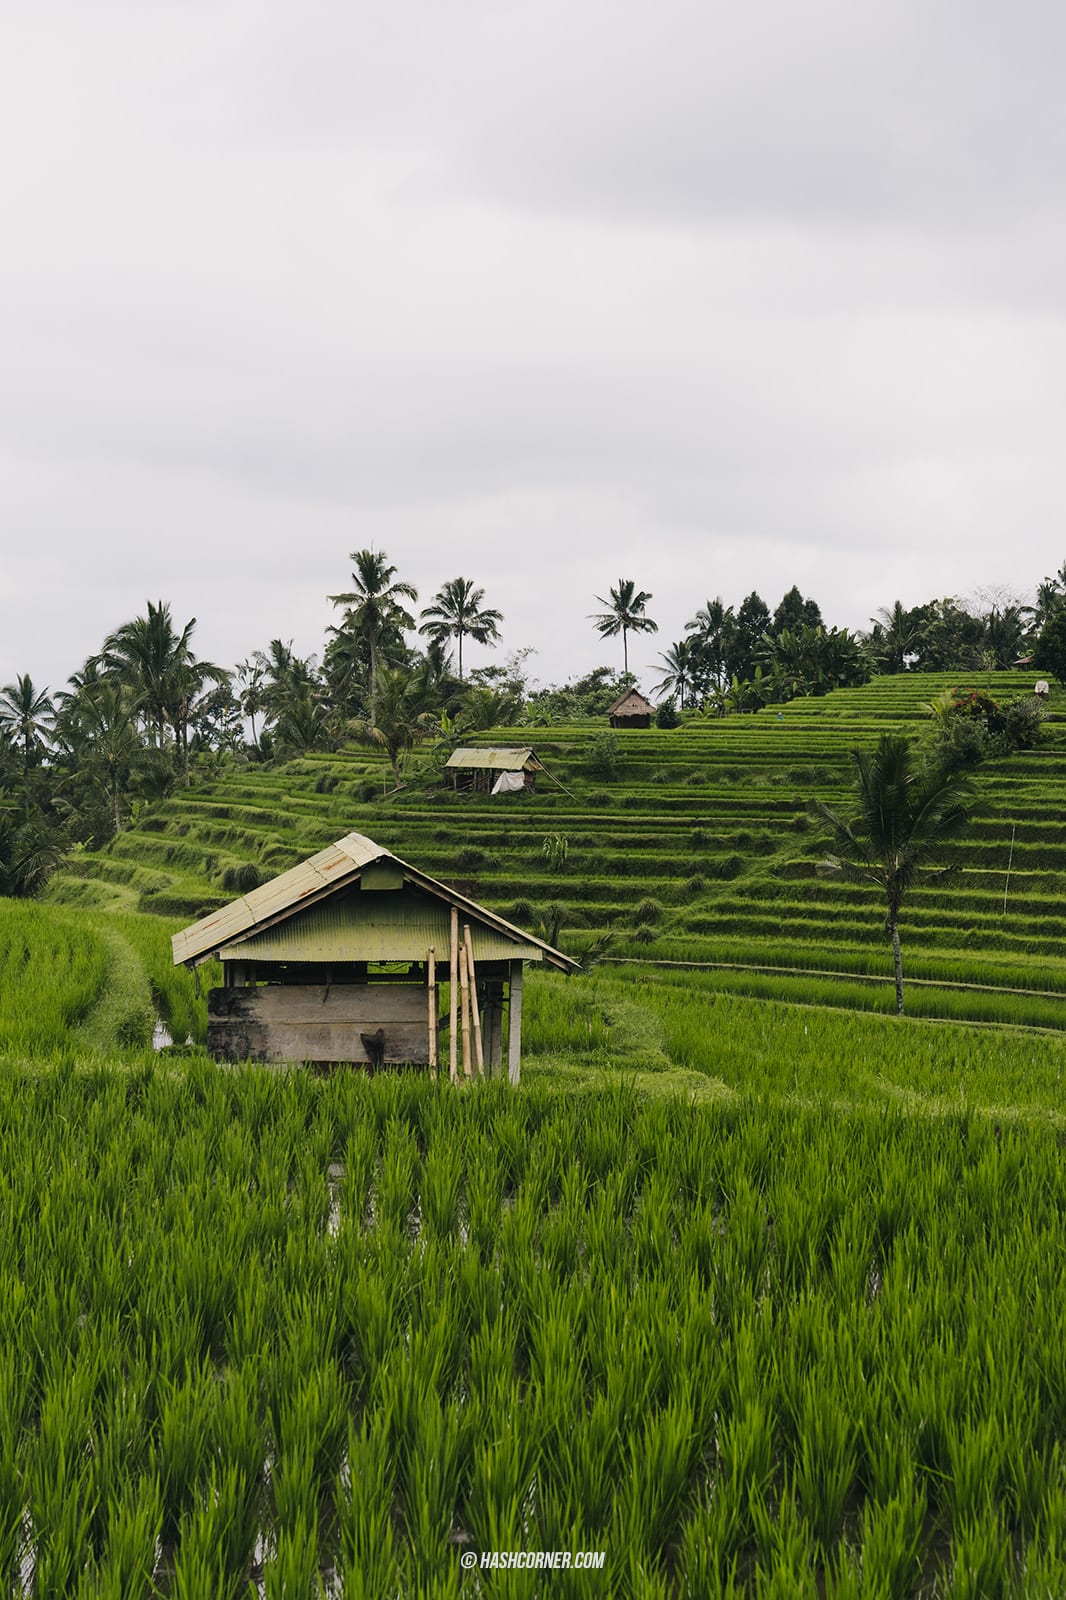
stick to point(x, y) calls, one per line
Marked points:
point(509, 783)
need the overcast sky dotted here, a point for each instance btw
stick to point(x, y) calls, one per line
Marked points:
point(544, 293)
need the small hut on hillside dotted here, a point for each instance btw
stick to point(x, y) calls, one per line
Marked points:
point(337, 960)
point(502, 769)
point(631, 710)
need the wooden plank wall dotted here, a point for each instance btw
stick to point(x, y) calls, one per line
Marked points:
point(313, 1022)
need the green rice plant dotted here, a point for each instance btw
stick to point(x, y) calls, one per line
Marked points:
point(891, 1543)
point(982, 1560)
point(126, 1568)
point(368, 1562)
point(293, 1569)
point(217, 1539)
point(828, 1460)
point(186, 1423)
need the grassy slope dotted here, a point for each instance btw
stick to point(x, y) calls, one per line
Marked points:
point(697, 850)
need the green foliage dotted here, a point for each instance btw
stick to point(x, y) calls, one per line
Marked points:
point(376, 1320)
point(605, 757)
point(666, 716)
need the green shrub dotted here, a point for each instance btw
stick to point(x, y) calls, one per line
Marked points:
point(647, 911)
point(666, 716)
point(239, 880)
point(605, 757)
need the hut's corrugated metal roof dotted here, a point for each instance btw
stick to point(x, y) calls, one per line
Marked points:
point(317, 875)
point(379, 927)
point(322, 876)
point(498, 759)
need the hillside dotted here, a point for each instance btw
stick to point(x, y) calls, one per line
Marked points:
point(691, 845)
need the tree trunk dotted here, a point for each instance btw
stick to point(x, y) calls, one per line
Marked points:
point(897, 961)
point(625, 652)
point(459, 636)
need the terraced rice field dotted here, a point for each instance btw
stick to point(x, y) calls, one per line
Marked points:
point(697, 849)
point(263, 1335)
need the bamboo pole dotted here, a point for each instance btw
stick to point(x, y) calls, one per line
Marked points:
point(464, 1000)
point(464, 984)
point(431, 1007)
point(453, 999)
point(475, 1010)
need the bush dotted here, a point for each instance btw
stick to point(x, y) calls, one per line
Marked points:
point(605, 756)
point(666, 716)
point(238, 880)
point(647, 912)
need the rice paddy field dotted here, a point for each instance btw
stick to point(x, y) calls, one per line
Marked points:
point(750, 1287)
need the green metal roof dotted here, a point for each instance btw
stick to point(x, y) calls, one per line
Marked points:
point(498, 759)
point(374, 927)
point(288, 898)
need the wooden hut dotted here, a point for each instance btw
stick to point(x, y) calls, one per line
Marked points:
point(338, 960)
point(631, 710)
point(502, 769)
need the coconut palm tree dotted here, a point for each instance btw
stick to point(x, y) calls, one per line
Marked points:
point(713, 626)
point(904, 815)
point(159, 664)
point(679, 661)
point(625, 614)
point(27, 714)
point(374, 612)
point(897, 634)
point(400, 716)
point(458, 612)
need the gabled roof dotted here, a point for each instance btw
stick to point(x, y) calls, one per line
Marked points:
point(501, 758)
point(630, 704)
point(336, 868)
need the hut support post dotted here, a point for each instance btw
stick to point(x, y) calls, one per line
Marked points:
point(431, 1007)
point(464, 987)
point(514, 1028)
point(475, 1014)
point(453, 1000)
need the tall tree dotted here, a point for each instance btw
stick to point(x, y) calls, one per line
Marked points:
point(459, 612)
point(679, 661)
point(625, 614)
point(400, 716)
point(904, 815)
point(712, 627)
point(898, 633)
point(27, 715)
point(752, 621)
point(794, 612)
point(159, 665)
point(374, 608)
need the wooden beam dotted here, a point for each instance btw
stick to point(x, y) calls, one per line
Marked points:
point(453, 999)
point(431, 1007)
point(514, 1026)
point(479, 1051)
point(464, 985)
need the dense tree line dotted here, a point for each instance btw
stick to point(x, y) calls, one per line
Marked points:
point(146, 713)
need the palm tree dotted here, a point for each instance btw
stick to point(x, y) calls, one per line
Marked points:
point(897, 635)
point(457, 613)
point(904, 816)
point(375, 613)
point(679, 662)
point(399, 718)
point(625, 615)
point(713, 626)
point(27, 713)
point(159, 665)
